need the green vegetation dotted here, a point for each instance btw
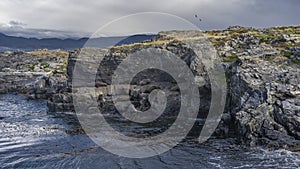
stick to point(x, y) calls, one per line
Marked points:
point(284, 67)
point(287, 54)
point(217, 41)
point(269, 59)
point(40, 59)
point(268, 38)
point(142, 44)
point(49, 53)
point(283, 46)
point(61, 69)
point(287, 29)
point(45, 65)
point(32, 66)
point(296, 61)
point(232, 58)
point(240, 31)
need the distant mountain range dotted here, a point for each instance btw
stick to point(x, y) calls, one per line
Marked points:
point(27, 44)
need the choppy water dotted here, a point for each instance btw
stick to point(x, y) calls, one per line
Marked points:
point(32, 138)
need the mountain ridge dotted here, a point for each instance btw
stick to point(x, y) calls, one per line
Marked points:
point(22, 43)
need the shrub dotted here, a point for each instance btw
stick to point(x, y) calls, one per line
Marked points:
point(296, 61)
point(44, 65)
point(287, 54)
point(232, 58)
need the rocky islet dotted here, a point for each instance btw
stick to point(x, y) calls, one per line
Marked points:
point(262, 71)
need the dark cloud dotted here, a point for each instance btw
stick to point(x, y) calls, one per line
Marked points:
point(15, 28)
point(16, 24)
point(89, 15)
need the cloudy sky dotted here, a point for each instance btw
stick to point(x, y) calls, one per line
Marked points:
point(76, 18)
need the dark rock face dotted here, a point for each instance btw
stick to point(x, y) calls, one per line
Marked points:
point(141, 85)
point(263, 90)
point(262, 71)
point(263, 105)
point(37, 74)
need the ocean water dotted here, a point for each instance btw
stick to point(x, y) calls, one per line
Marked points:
point(32, 138)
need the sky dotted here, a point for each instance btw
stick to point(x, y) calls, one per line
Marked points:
point(78, 18)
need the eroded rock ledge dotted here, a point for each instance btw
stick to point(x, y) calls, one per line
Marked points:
point(262, 69)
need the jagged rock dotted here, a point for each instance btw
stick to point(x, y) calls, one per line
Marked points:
point(262, 70)
point(29, 73)
point(145, 82)
point(40, 83)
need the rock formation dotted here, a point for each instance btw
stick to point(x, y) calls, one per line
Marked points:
point(262, 71)
point(37, 74)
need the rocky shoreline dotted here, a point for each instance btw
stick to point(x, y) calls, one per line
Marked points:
point(262, 70)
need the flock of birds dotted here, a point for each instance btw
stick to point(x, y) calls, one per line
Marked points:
point(198, 19)
point(196, 16)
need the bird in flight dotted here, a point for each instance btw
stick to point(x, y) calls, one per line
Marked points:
point(196, 16)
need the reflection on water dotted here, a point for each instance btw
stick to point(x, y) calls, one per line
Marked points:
point(32, 138)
